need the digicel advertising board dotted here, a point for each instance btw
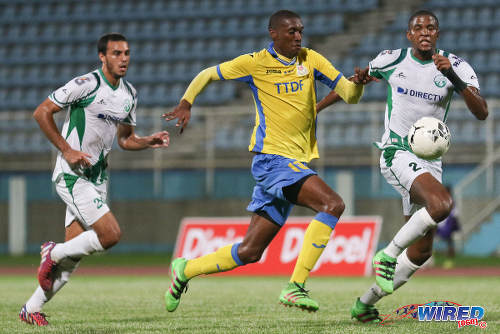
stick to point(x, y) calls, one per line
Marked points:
point(348, 253)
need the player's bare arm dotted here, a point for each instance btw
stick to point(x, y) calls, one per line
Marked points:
point(128, 140)
point(475, 102)
point(44, 115)
point(182, 112)
point(328, 100)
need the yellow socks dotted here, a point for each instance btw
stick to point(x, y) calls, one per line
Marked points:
point(317, 235)
point(224, 259)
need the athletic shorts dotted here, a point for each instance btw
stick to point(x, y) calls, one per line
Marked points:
point(272, 173)
point(85, 201)
point(406, 166)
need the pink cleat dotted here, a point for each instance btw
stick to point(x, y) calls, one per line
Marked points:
point(47, 267)
point(35, 318)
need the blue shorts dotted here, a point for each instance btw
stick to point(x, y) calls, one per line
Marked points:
point(272, 173)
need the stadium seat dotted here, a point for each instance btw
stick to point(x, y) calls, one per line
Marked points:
point(478, 61)
point(490, 85)
point(493, 61)
point(400, 23)
point(485, 18)
point(496, 17)
point(495, 39)
point(466, 41)
point(448, 41)
point(451, 19)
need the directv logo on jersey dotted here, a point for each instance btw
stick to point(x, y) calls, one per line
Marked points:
point(110, 118)
point(421, 95)
point(463, 315)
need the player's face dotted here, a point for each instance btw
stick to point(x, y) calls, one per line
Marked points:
point(288, 37)
point(116, 58)
point(423, 33)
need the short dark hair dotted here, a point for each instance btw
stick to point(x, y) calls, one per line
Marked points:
point(276, 18)
point(420, 13)
point(102, 44)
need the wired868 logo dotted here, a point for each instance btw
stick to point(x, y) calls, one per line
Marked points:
point(441, 311)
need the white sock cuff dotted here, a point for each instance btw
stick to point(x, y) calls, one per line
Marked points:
point(426, 218)
point(94, 241)
point(404, 260)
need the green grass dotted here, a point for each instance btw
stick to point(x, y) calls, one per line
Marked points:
point(119, 259)
point(98, 259)
point(125, 304)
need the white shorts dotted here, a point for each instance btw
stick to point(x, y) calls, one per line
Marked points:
point(86, 202)
point(405, 168)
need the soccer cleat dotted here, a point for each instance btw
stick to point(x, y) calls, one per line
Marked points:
point(295, 295)
point(47, 267)
point(35, 318)
point(364, 312)
point(177, 286)
point(384, 266)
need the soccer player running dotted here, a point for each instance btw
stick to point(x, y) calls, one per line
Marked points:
point(421, 82)
point(100, 104)
point(282, 78)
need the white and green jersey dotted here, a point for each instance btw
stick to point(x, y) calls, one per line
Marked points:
point(416, 89)
point(95, 108)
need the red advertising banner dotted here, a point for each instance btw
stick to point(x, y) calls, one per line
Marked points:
point(348, 253)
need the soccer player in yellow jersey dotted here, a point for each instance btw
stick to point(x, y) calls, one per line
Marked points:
point(282, 78)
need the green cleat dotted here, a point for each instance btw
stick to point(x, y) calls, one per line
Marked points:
point(178, 284)
point(295, 295)
point(384, 266)
point(364, 312)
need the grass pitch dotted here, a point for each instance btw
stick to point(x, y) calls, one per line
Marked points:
point(126, 304)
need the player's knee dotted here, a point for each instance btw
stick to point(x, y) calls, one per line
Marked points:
point(111, 238)
point(334, 207)
point(440, 206)
point(248, 254)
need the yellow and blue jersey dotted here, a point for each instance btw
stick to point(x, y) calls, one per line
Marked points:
point(285, 97)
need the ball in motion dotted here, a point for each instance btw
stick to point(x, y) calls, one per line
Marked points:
point(429, 138)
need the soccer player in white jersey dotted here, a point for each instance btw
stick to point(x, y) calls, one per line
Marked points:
point(100, 104)
point(421, 82)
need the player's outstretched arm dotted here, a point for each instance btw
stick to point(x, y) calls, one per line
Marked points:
point(128, 140)
point(475, 102)
point(360, 76)
point(182, 112)
point(44, 115)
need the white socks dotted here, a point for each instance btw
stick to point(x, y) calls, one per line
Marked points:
point(404, 269)
point(84, 244)
point(62, 274)
point(418, 225)
point(67, 255)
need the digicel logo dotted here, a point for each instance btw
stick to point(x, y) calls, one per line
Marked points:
point(200, 241)
point(340, 247)
point(348, 252)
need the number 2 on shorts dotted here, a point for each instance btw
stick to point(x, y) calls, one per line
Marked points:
point(413, 165)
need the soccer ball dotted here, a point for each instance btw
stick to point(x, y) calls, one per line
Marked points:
point(429, 138)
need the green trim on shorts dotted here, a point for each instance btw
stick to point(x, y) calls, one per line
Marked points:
point(70, 181)
point(399, 182)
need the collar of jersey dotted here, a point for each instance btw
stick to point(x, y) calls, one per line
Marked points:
point(106, 81)
point(282, 59)
point(423, 62)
